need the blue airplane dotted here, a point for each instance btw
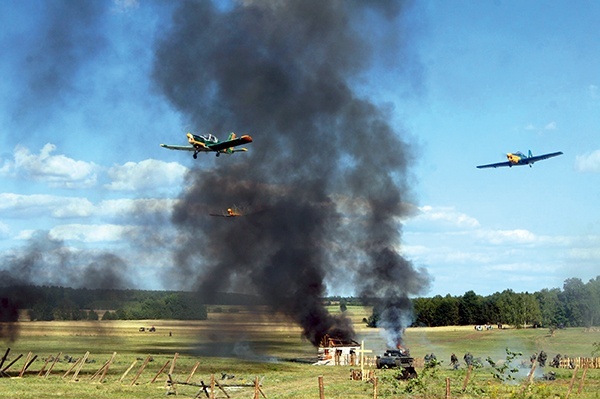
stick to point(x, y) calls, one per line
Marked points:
point(518, 158)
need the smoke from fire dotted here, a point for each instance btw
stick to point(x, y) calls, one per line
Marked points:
point(327, 169)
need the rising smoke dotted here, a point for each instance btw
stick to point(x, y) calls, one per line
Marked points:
point(327, 168)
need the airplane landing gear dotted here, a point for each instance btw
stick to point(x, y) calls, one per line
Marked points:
point(195, 155)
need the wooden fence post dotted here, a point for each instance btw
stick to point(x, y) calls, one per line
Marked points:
point(160, 371)
point(375, 387)
point(53, 364)
point(447, 387)
point(140, 370)
point(4, 358)
point(127, 371)
point(464, 387)
point(192, 372)
point(571, 383)
point(321, 388)
point(582, 378)
point(82, 362)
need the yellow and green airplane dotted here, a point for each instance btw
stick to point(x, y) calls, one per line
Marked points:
point(209, 143)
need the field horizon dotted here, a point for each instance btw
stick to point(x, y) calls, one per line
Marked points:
point(250, 342)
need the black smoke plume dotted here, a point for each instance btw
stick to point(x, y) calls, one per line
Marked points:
point(327, 169)
point(48, 261)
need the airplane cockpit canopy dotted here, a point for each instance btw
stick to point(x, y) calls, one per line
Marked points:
point(209, 137)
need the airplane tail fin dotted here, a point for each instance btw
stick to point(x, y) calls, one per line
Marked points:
point(529, 154)
point(232, 136)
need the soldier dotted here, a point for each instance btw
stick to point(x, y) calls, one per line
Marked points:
point(556, 361)
point(454, 361)
point(468, 358)
point(542, 357)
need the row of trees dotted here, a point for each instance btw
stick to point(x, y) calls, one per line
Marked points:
point(576, 305)
point(63, 303)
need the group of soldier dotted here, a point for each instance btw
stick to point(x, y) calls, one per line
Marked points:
point(469, 360)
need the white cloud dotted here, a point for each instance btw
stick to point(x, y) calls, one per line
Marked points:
point(124, 6)
point(548, 126)
point(29, 206)
point(89, 233)
point(589, 162)
point(4, 230)
point(55, 170)
point(147, 174)
point(447, 215)
point(503, 237)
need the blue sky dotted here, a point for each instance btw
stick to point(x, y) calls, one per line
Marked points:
point(81, 123)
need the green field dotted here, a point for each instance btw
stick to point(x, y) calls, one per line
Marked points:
point(249, 343)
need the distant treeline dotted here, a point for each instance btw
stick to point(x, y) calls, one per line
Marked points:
point(62, 303)
point(576, 305)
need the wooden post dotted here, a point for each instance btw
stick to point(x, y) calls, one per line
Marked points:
point(173, 363)
point(53, 364)
point(257, 389)
point(583, 377)
point(25, 365)
point(222, 389)
point(571, 383)
point(212, 386)
point(160, 371)
point(374, 387)
point(529, 376)
point(192, 372)
point(321, 388)
point(362, 351)
point(11, 363)
point(447, 387)
point(71, 368)
point(112, 359)
point(140, 370)
point(464, 387)
point(102, 370)
point(44, 367)
point(81, 363)
point(4, 358)
point(127, 371)
point(172, 386)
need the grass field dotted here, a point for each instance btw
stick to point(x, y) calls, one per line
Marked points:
point(250, 343)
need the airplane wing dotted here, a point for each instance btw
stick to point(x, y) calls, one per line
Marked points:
point(545, 156)
point(178, 147)
point(230, 143)
point(495, 165)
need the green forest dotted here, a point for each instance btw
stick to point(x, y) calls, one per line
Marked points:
point(577, 304)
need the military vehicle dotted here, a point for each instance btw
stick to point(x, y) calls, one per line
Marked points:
point(397, 358)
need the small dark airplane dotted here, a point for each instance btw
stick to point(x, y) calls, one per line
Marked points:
point(518, 158)
point(231, 213)
point(208, 143)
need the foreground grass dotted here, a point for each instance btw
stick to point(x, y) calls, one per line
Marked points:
point(248, 343)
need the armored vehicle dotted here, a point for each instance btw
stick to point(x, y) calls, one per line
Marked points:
point(397, 358)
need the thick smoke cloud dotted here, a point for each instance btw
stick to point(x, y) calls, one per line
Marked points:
point(327, 170)
point(63, 42)
point(47, 261)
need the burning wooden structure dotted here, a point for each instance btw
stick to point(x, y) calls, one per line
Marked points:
point(335, 351)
